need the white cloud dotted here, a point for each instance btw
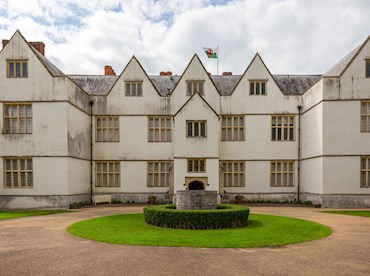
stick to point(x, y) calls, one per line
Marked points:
point(292, 36)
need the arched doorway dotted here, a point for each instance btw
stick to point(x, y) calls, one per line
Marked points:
point(196, 185)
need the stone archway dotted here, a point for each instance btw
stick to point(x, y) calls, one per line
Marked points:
point(196, 185)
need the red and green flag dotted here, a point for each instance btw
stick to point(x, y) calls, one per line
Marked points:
point(210, 52)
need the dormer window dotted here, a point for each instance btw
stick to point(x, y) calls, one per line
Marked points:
point(133, 88)
point(195, 87)
point(257, 87)
point(368, 68)
point(17, 69)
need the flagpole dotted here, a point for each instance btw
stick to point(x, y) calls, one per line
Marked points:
point(217, 59)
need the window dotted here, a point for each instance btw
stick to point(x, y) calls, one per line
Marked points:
point(365, 116)
point(257, 87)
point(283, 128)
point(18, 118)
point(368, 68)
point(233, 173)
point(107, 129)
point(159, 129)
point(196, 128)
point(282, 173)
point(18, 173)
point(107, 174)
point(159, 173)
point(232, 128)
point(195, 87)
point(196, 165)
point(17, 69)
point(133, 88)
point(365, 172)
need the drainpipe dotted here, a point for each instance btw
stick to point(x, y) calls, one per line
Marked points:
point(91, 103)
point(299, 153)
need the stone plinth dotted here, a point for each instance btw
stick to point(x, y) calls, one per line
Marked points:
point(196, 200)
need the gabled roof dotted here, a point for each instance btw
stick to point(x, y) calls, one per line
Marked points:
point(192, 96)
point(295, 84)
point(94, 85)
point(100, 85)
point(338, 69)
point(49, 66)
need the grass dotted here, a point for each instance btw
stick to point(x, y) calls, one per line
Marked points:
point(19, 214)
point(263, 230)
point(351, 213)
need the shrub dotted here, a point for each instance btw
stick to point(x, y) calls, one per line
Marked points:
point(239, 199)
point(225, 216)
point(152, 199)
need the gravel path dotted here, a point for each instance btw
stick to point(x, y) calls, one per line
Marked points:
point(42, 246)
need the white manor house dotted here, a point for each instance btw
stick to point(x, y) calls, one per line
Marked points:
point(65, 138)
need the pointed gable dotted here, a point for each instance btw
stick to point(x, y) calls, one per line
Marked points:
point(195, 71)
point(21, 52)
point(338, 69)
point(256, 70)
point(135, 72)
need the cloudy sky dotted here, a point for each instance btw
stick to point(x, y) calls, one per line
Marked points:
point(292, 36)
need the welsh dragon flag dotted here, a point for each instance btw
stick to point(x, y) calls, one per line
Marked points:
point(210, 52)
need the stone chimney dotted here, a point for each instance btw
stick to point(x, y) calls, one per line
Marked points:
point(227, 73)
point(5, 41)
point(162, 73)
point(108, 71)
point(168, 73)
point(39, 46)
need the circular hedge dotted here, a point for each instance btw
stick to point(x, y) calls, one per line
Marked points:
point(225, 216)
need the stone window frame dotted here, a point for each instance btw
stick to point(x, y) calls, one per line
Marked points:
point(13, 119)
point(110, 176)
point(365, 116)
point(108, 125)
point(233, 173)
point(14, 72)
point(286, 127)
point(159, 173)
point(367, 68)
point(233, 123)
point(199, 124)
point(138, 85)
point(23, 174)
point(196, 165)
point(159, 129)
point(281, 176)
point(365, 172)
point(258, 87)
point(195, 86)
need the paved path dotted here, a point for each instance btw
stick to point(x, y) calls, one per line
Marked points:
point(42, 246)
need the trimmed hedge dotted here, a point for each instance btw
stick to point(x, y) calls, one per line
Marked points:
point(225, 216)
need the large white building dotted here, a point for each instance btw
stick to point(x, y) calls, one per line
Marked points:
point(262, 136)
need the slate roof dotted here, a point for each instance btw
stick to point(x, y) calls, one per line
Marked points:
point(100, 85)
point(338, 68)
point(226, 84)
point(164, 84)
point(53, 70)
point(295, 84)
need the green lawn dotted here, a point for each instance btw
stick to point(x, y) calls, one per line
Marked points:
point(263, 230)
point(352, 213)
point(19, 214)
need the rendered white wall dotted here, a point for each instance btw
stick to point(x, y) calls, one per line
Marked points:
point(342, 176)
point(133, 143)
point(312, 176)
point(78, 176)
point(50, 177)
point(342, 133)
